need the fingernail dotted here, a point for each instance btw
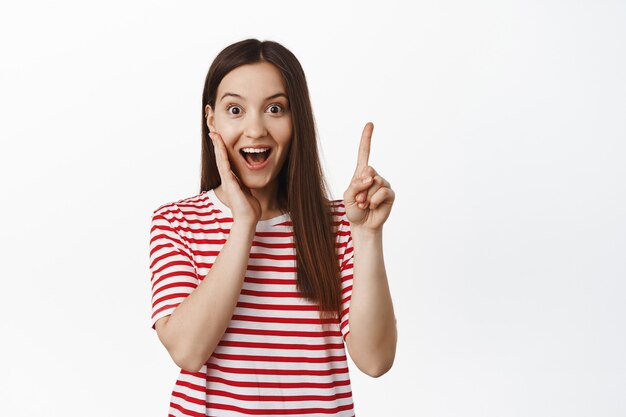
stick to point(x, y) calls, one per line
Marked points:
point(366, 180)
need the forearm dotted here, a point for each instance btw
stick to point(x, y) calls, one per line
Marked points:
point(373, 330)
point(198, 323)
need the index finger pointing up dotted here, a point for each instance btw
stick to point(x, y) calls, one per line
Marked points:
point(364, 147)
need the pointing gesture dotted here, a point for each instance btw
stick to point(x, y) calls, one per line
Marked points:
point(369, 196)
point(364, 148)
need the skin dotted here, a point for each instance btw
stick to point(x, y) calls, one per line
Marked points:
point(252, 119)
point(373, 333)
point(193, 330)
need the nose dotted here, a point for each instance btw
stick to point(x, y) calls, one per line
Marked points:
point(255, 126)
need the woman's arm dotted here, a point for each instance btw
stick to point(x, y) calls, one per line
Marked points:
point(368, 201)
point(373, 334)
point(191, 333)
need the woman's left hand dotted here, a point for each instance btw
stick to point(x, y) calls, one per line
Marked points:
point(369, 196)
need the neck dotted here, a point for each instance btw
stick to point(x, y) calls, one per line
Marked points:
point(268, 198)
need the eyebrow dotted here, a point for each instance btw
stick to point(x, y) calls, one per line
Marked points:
point(267, 98)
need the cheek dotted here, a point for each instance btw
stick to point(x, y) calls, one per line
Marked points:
point(285, 146)
point(227, 131)
point(224, 124)
point(284, 132)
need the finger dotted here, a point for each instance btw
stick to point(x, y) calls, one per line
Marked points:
point(221, 156)
point(216, 152)
point(228, 176)
point(364, 147)
point(384, 195)
point(364, 196)
point(368, 171)
point(356, 186)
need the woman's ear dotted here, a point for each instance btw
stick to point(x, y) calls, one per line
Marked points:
point(209, 116)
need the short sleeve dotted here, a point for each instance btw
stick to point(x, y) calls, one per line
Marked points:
point(346, 251)
point(172, 270)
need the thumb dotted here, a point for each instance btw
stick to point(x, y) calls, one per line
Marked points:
point(356, 186)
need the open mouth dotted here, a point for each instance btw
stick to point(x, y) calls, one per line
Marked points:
point(256, 157)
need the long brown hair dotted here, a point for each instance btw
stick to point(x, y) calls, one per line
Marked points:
point(302, 188)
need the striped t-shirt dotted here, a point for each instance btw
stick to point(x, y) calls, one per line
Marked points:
point(277, 356)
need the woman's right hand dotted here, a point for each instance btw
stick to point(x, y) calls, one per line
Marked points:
point(243, 205)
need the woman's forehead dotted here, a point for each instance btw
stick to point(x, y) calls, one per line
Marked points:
point(252, 82)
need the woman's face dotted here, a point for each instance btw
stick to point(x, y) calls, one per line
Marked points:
point(252, 111)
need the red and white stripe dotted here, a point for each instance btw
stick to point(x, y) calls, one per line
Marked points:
point(277, 356)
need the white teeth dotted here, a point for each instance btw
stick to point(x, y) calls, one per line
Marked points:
point(255, 150)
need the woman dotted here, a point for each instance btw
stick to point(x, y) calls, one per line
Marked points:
point(252, 279)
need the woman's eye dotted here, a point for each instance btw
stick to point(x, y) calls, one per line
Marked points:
point(273, 106)
point(233, 107)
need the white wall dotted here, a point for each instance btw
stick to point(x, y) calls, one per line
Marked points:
point(500, 125)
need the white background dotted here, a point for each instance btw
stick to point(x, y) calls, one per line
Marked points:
point(500, 125)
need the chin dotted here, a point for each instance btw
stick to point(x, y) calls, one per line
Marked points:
point(255, 183)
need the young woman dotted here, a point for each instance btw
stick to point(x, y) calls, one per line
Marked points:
point(260, 279)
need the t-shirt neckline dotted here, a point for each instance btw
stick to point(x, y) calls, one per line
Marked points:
point(261, 224)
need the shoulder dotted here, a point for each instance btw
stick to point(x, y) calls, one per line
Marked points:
point(176, 211)
point(337, 209)
point(341, 230)
point(339, 219)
